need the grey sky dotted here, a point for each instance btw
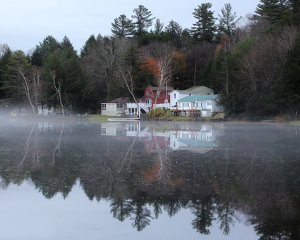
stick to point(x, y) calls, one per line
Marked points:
point(23, 24)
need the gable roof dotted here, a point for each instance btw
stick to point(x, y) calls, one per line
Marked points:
point(201, 90)
point(197, 98)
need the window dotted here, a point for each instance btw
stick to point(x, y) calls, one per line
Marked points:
point(147, 93)
point(103, 106)
point(119, 105)
point(174, 95)
point(148, 102)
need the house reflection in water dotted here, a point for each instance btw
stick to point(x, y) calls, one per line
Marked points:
point(45, 126)
point(112, 129)
point(200, 138)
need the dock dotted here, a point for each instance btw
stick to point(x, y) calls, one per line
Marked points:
point(123, 119)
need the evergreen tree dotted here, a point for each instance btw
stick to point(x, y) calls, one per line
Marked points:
point(43, 50)
point(122, 26)
point(295, 5)
point(204, 29)
point(228, 20)
point(174, 30)
point(141, 75)
point(66, 43)
point(286, 92)
point(272, 10)
point(142, 21)
point(16, 64)
point(158, 27)
point(69, 75)
point(88, 46)
point(4, 59)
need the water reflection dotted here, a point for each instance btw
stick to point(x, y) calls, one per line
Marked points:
point(217, 171)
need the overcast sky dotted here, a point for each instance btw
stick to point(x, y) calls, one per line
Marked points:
point(24, 24)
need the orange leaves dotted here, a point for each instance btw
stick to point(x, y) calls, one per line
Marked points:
point(151, 64)
point(151, 173)
point(224, 45)
point(218, 49)
point(178, 62)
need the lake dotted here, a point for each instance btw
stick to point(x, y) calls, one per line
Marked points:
point(149, 180)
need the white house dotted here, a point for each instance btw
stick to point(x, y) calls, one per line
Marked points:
point(115, 107)
point(197, 105)
point(176, 95)
point(45, 110)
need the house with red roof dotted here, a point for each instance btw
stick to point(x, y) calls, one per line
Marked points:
point(153, 97)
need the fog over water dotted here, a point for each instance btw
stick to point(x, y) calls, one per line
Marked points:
point(148, 180)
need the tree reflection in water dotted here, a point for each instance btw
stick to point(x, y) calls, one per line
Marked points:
point(216, 171)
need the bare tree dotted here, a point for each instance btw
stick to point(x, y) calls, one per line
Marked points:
point(57, 147)
point(26, 87)
point(36, 73)
point(126, 75)
point(106, 57)
point(163, 162)
point(57, 88)
point(163, 54)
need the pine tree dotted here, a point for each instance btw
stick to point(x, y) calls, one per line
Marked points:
point(173, 29)
point(88, 46)
point(143, 20)
point(204, 29)
point(228, 20)
point(122, 26)
point(16, 63)
point(43, 50)
point(286, 92)
point(272, 10)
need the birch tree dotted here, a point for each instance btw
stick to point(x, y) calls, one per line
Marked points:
point(15, 78)
point(27, 88)
point(161, 64)
point(57, 88)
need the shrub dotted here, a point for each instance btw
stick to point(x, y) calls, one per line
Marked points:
point(158, 112)
point(151, 113)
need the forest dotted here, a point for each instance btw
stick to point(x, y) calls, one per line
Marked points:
point(253, 63)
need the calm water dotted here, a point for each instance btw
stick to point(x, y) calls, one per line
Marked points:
point(149, 180)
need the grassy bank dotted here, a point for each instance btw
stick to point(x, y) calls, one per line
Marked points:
point(94, 118)
point(296, 123)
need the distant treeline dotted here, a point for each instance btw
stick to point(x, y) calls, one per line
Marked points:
point(253, 63)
